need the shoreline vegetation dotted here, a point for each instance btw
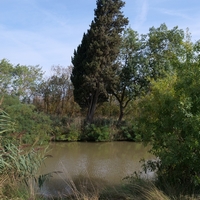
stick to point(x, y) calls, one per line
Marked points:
point(24, 183)
point(19, 162)
point(19, 180)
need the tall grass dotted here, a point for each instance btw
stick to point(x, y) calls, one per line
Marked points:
point(18, 164)
point(6, 124)
point(21, 166)
point(63, 186)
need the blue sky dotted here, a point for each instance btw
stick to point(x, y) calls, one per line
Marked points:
point(46, 32)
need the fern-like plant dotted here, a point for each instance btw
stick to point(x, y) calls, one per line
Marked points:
point(6, 124)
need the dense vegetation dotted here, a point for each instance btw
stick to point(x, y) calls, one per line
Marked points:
point(122, 86)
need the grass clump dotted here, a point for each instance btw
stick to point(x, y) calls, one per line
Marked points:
point(19, 163)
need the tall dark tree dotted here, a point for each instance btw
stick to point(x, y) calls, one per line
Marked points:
point(94, 61)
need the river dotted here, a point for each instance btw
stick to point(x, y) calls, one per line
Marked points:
point(107, 161)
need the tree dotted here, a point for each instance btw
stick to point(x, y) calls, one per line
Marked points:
point(128, 79)
point(25, 81)
point(149, 56)
point(55, 95)
point(94, 61)
point(6, 71)
point(161, 51)
point(19, 80)
point(169, 119)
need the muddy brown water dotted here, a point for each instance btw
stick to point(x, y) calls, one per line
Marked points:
point(107, 162)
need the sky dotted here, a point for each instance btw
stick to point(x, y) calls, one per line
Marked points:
point(46, 32)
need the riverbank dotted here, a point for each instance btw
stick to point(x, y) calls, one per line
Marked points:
point(86, 189)
point(22, 181)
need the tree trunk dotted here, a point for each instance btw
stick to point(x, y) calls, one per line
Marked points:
point(121, 111)
point(92, 107)
point(121, 114)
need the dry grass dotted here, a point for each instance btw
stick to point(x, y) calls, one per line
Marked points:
point(62, 186)
point(3, 180)
point(153, 193)
point(82, 188)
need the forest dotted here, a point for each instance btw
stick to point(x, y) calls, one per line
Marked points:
point(121, 85)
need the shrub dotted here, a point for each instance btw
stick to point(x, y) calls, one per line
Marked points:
point(92, 132)
point(28, 121)
point(169, 119)
point(66, 128)
point(126, 132)
point(73, 133)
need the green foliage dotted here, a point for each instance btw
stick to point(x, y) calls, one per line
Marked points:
point(20, 79)
point(94, 60)
point(6, 71)
point(17, 163)
point(25, 81)
point(169, 119)
point(162, 50)
point(126, 132)
point(142, 57)
point(109, 109)
point(96, 133)
point(66, 128)
point(31, 124)
point(70, 134)
point(6, 124)
point(73, 133)
point(22, 163)
point(21, 166)
point(128, 78)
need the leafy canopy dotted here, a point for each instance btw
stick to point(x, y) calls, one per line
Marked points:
point(169, 119)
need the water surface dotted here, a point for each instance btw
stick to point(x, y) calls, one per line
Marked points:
point(109, 161)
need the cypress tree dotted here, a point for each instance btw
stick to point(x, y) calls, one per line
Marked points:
point(94, 60)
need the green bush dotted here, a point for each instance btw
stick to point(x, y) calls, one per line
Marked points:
point(169, 120)
point(100, 122)
point(73, 133)
point(31, 124)
point(66, 128)
point(126, 131)
point(96, 133)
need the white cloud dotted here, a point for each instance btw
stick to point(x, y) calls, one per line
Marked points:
point(175, 13)
point(142, 11)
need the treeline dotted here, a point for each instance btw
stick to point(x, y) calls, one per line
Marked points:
point(33, 101)
point(43, 108)
point(61, 101)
